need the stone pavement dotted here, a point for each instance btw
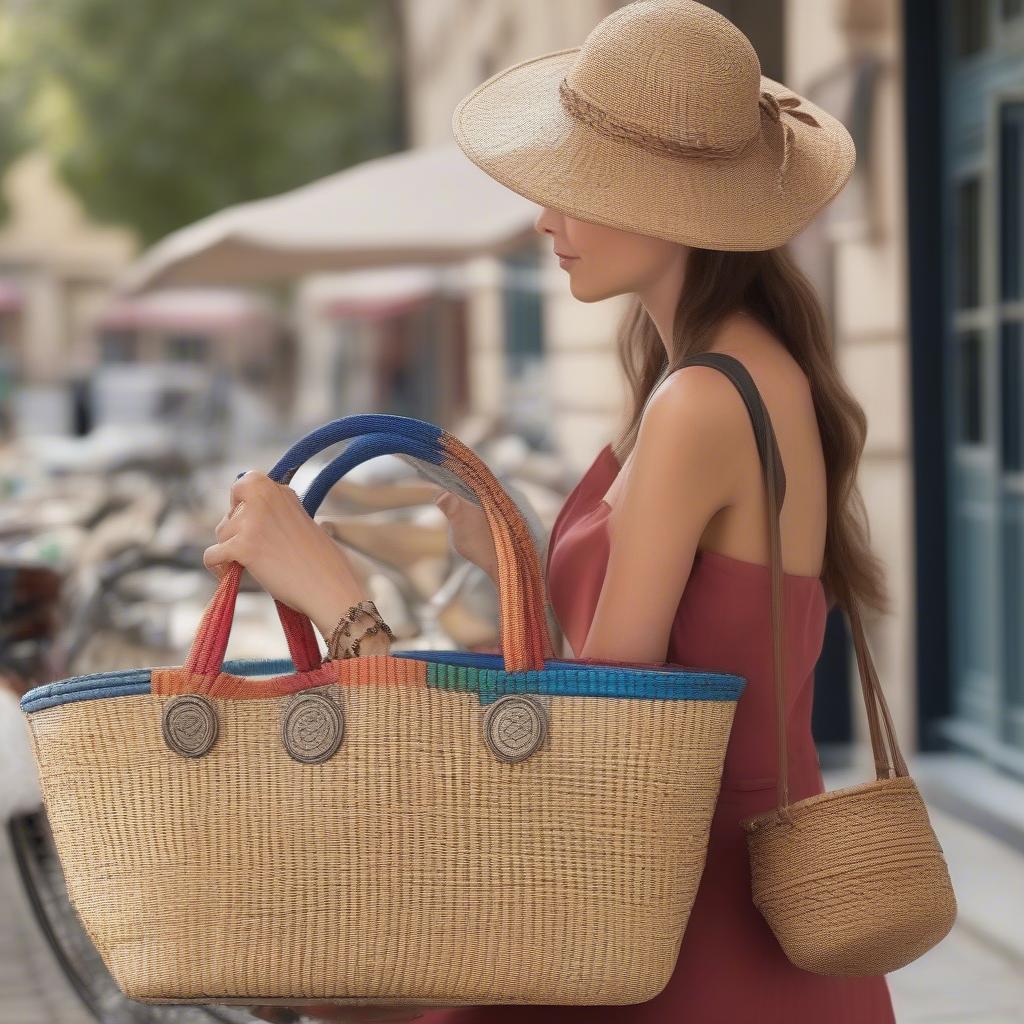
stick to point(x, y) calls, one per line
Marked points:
point(962, 980)
point(976, 974)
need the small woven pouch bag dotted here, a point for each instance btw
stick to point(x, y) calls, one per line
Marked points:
point(851, 881)
point(427, 827)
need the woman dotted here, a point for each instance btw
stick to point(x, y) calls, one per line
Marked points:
point(668, 168)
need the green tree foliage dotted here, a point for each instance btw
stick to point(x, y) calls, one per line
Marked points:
point(15, 94)
point(159, 112)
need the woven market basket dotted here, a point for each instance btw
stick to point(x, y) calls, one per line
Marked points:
point(435, 827)
point(853, 881)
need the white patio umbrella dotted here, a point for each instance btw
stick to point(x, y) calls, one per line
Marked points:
point(206, 310)
point(423, 205)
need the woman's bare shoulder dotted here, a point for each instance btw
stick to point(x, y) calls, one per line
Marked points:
point(766, 357)
point(690, 421)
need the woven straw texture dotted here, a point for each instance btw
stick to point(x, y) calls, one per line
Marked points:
point(412, 865)
point(660, 123)
point(423, 826)
point(866, 856)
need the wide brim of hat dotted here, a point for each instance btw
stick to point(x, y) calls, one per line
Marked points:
point(515, 128)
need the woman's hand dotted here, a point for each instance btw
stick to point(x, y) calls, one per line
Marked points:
point(287, 552)
point(470, 531)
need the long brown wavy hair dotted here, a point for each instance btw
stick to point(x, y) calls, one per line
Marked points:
point(769, 286)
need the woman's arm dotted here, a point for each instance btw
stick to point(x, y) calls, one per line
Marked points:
point(682, 471)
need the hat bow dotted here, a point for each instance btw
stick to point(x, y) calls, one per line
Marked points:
point(775, 107)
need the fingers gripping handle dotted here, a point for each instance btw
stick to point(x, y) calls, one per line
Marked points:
point(459, 478)
point(206, 655)
point(525, 640)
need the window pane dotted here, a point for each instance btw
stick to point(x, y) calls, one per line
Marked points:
point(118, 346)
point(970, 383)
point(1011, 378)
point(524, 335)
point(186, 348)
point(1011, 212)
point(968, 226)
point(970, 26)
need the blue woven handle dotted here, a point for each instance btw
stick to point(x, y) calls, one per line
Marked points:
point(426, 436)
point(368, 447)
point(525, 639)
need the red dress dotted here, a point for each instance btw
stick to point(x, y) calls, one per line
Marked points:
point(730, 968)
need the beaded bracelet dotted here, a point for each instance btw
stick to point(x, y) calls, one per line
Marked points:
point(342, 635)
point(344, 628)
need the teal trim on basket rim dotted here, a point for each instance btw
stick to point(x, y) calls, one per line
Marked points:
point(458, 671)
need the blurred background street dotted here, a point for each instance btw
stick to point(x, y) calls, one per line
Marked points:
point(223, 224)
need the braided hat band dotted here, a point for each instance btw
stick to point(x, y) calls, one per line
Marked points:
point(660, 123)
point(582, 109)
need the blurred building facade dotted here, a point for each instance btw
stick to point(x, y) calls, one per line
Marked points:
point(73, 354)
point(919, 265)
point(58, 263)
point(389, 340)
point(530, 340)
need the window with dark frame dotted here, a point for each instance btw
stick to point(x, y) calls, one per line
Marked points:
point(1011, 284)
point(968, 243)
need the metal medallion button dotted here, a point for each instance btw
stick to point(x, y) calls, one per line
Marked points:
point(189, 724)
point(312, 727)
point(515, 726)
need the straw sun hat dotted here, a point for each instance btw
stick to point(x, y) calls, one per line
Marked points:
point(660, 123)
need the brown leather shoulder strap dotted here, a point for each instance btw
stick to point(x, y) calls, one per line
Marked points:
point(771, 469)
point(764, 433)
point(775, 487)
